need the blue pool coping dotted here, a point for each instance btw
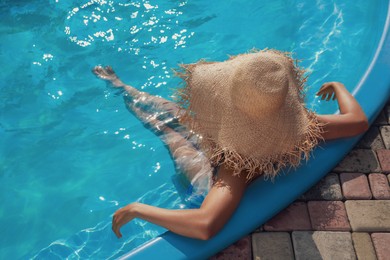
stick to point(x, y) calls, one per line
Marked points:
point(264, 199)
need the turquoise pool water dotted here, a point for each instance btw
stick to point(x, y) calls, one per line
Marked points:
point(70, 152)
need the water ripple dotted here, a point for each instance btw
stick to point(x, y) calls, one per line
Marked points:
point(129, 26)
point(99, 242)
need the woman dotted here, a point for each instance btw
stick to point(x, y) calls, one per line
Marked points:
point(250, 120)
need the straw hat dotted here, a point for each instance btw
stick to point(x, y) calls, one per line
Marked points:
point(249, 112)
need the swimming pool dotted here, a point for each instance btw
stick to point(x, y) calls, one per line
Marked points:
point(70, 151)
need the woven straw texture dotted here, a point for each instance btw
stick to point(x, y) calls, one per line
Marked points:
point(249, 112)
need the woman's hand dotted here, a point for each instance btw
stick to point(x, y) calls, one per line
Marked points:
point(350, 122)
point(328, 90)
point(121, 217)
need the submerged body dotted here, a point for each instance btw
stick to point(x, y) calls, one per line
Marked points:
point(225, 188)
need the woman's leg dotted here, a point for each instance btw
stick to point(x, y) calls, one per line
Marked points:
point(160, 119)
point(139, 98)
point(188, 159)
point(171, 138)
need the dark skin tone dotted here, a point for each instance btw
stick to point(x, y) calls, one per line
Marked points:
point(227, 190)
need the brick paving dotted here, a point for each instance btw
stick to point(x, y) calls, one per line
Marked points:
point(328, 215)
point(294, 217)
point(272, 245)
point(355, 186)
point(344, 216)
point(381, 243)
point(363, 246)
point(379, 186)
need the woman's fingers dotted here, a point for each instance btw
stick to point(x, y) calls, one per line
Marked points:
point(330, 96)
point(320, 93)
point(116, 224)
point(327, 95)
point(117, 231)
point(116, 228)
point(324, 86)
point(120, 218)
point(324, 89)
point(326, 92)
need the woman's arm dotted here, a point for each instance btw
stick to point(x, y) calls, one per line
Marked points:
point(350, 122)
point(201, 223)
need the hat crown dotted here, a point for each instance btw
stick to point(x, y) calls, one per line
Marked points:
point(260, 84)
point(250, 111)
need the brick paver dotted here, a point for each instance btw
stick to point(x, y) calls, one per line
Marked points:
point(387, 113)
point(379, 186)
point(323, 245)
point(363, 246)
point(384, 159)
point(242, 249)
point(294, 217)
point(359, 160)
point(369, 215)
point(385, 133)
point(381, 243)
point(326, 189)
point(381, 119)
point(355, 186)
point(371, 140)
point(328, 215)
point(272, 245)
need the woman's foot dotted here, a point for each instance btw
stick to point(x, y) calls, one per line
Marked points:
point(107, 73)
